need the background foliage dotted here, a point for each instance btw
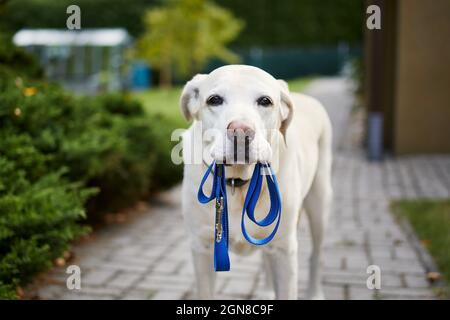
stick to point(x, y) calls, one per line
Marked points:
point(17, 14)
point(185, 34)
point(269, 23)
point(290, 23)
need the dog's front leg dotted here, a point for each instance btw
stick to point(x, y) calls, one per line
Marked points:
point(282, 264)
point(204, 272)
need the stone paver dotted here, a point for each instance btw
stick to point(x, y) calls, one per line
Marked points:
point(147, 258)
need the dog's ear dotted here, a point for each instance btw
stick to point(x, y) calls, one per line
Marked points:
point(287, 107)
point(190, 97)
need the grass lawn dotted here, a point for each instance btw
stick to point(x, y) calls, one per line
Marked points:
point(431, 221)
point(165, 101)
point(162, 101)
point(299, 84)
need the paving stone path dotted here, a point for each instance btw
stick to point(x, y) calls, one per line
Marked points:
point(148, 258)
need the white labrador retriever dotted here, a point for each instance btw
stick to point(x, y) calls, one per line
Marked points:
point(290, 130)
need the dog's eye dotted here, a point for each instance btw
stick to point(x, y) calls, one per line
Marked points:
point(264, 101)
point(214, 100)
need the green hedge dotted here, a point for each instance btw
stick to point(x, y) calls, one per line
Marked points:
point(268, 23)
point(64, 158)
point(293, 23)
point(15, 14)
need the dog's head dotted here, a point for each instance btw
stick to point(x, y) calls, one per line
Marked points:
point(244, 110)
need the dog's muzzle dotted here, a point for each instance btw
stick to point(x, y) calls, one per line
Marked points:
point(240, 144)
point(240, 135)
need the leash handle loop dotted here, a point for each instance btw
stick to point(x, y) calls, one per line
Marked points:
point(253, 193)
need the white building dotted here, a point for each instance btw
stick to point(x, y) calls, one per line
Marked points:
point(87, 60)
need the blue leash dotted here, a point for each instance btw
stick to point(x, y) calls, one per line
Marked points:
point(219, 193)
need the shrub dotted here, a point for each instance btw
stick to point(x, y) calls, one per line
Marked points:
point(167, 173)
point(38, 215)
point(108, 141)
point(16, 62)
point(63, 156)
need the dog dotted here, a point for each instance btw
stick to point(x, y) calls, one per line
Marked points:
point(293, 133)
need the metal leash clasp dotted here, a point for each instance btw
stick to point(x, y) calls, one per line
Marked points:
point(232, 187)
point(219, 211)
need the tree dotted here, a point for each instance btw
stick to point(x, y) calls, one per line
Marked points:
point(185, 34)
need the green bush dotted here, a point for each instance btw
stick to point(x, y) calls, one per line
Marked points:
point(167, 173)
point(38, 214)
point(64, 158)
point(108, 142)
point(16, 62)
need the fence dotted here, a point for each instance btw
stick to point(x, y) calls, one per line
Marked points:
point(288, 63)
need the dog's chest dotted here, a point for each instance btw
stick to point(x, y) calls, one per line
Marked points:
point(235, 207)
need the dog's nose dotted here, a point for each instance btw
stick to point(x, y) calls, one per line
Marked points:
point(240, 129)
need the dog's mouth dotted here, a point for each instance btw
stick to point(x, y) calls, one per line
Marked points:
point(237, 174)
point(239, 154)
point(241, 151)
point(236, 182)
